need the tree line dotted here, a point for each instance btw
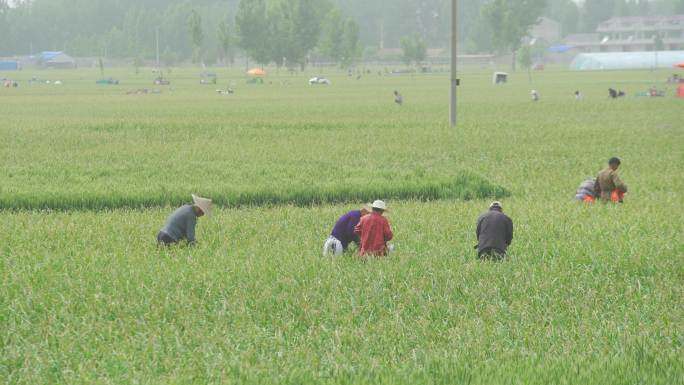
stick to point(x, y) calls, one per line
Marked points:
point(289, 32)
point(284, 32)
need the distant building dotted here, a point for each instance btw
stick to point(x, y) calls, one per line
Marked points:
point(546, 29)
point(634, 33)
point(640, 33)
point(584, 42)
point(56, 59)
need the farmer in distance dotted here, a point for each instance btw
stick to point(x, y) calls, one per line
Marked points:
point(181, 224)
point(343, 232)
point(494, 233)
point(374, 231)
point(398, 99)
point(608, 185)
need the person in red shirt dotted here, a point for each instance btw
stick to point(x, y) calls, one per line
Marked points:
point(374, 231)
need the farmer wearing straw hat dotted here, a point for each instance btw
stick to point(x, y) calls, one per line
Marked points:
point(494, 233)
point(374, 231)
point(181, 224)
point(343, 232)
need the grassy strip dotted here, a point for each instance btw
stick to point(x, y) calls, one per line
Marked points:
point(464, 186)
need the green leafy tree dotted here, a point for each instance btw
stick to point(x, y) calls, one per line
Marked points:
point(303, 28)
point(196, 35)
point(340, 39)
point(525, 57)
point(115, 43)
point(278, 42)
point(84, 26)
point(252, 29)
point(622, 8)
point(226, 41)
point(678, 7)
point(331, 35)
point(642, 8)
point(137, 63)
point(4, 30)
point(100, 64)
point(173, 38)
point(596, 11)
point(351, 47)
point(511, 21)
point(413, 49)
point(169, 57)
point(406, 44)
point(4, 9)
point(525, 60)
point(566, 12)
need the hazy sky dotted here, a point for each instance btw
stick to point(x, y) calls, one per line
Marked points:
point(11, 2)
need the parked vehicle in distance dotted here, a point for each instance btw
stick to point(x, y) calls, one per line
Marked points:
point(319, 80)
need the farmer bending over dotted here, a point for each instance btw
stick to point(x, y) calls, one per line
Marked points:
point(374, 231)
point(343, 232)
point(494, 233)
point(585, 192)
point(181, 224)
point(398, 99)
point(608, 185)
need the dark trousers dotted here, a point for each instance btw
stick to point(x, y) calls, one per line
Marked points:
point(164, 239)
point(492, 254)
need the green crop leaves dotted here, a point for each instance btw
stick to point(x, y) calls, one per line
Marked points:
point(466, 186)
point(591, 294)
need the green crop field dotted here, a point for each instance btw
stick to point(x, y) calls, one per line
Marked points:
point(589, 295)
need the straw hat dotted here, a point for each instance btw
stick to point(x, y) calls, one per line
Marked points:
point(378, 204)
point(203, 203)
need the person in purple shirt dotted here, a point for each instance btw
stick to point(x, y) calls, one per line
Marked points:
point(343, 232)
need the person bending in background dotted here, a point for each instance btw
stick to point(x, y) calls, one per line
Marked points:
point(585, 192)
point(343, 232)
point(608, 185)
point(180, 225)
point(398, 98)
point(494, 233)
point(374, 232)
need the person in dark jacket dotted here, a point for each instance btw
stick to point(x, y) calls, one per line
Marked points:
point(494, 233)
point(343, 232)
point(181, 224)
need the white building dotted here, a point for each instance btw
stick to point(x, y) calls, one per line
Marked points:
point(634, 33)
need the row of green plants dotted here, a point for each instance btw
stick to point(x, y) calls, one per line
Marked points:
point(464, 186)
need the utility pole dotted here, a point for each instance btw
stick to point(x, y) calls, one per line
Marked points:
point(454, 79)
point(156, 37)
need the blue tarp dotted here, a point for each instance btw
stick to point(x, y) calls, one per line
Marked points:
point(560, 48)
point(49, 55)
point(9, 65)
